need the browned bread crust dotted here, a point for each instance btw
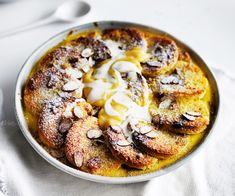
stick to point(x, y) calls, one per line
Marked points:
point(41, 87)
point(88, 154)
point(181, 124)
point(137, 85)
point(163, 56)
point(128, 37)
point(125, 151)
point(60, 57)
point(53, 122)
point(179, 81)
point(155, 142)
point(98, 48)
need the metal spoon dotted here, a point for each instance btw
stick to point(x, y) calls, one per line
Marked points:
point(69, 11)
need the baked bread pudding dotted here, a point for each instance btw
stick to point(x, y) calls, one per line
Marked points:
point(117, 102)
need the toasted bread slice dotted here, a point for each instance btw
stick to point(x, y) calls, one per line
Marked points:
point(92, 48)
point(41, 87)
point(124, 150)
point(61, 57)
point(57, 117)
point(163, 56)
point(156, 142)
point(181, 115)
point(80, 51)
point(185, 80)
point(129, 38)
point(83, 151)
point(47, 84)
point(137, 86)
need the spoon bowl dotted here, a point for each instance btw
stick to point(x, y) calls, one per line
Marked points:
point(72, 10)
point(69, 11)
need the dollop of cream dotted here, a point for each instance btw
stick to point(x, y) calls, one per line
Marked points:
point(110, 89)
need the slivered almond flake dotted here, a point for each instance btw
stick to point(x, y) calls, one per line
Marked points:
point(123, 143)
point(71, 86)
point(189, 117)
point(85, 68)
point(65, 125)
point(154, 63)
point(165, 104)
point(170, 80)
point(132, 76)
point(132, 125)
point(94, 133)
point(145, 129)
point(129, 139)
point(151, 134)
point(75, 73)
point(87, 52)
point(116, 129)
point(196, 114)
point(78, 159)
point(78, 112)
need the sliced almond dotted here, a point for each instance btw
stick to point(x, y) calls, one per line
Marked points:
point(57, 153)
point(75, 73)
point(116, 129)
point(78, 159)
point(78, 112)
point(84, 64)
point(94, 133)
point(86, 53)
point(154, 63)
point(67, 113)
point(196, 114)
point(151, 134)
point(145, 129)
point(129, 139)
point(132, 76)
point(71, 86)
point(170, 80)
point(99, 141)
point(64, 95)
point(91, 62)
point(123, 143)
point(189, 117)
point(85, 68)
point(65, 125)
point(165, 104)
point(132, 125)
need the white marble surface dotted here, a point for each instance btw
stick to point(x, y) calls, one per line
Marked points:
point(208, 26)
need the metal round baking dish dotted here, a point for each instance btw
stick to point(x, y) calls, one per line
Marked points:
point(35, 56)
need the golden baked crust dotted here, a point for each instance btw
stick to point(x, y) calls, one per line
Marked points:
point(88, 154)
point(124, 150)
point(163, 56)
point(41, 87)
point(156, 142)
point(185, 80)
point(181, 114)
point(55, 119)
point(128, 37)
point(100, 51)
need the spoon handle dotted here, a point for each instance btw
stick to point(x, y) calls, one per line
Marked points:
point(42, 22)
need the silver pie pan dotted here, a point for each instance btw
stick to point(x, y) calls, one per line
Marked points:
point(41, 50)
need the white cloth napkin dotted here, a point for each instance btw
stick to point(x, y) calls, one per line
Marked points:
point(210, 172)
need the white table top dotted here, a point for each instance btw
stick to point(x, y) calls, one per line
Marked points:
point(208, 26)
